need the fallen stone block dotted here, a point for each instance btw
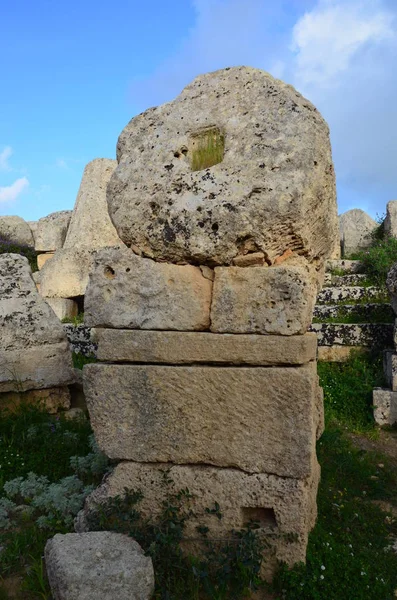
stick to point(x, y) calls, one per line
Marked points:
point(332, 295)
point(172, 347)
point(276, 300)
point(64, 308)
point(34, 351)
point(51, 400)
point(374, 335)
point(356, 228)
point(347, 266)
point(42, 259)
point(129, 292)
point(260, 420)
point(385, 406)
point(51, 231)
point(66, 274)
point(283, 507)
point(16, 230)
point(101, 565)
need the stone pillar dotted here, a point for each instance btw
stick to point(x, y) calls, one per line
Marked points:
point(213, 380)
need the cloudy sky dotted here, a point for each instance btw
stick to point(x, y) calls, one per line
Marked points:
point(74, 73)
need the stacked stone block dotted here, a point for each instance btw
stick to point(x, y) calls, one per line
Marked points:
point(206, 370)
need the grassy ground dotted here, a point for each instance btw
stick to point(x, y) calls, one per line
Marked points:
point(349, 553)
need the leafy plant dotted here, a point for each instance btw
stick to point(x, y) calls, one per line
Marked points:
point(80, 359)
point(77, 320)
point(7, 246)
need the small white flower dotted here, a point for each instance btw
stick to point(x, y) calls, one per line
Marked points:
point(322, 568)
point(321, 576)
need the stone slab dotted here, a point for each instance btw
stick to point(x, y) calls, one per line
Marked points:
point(347, 266)
point(360, 312)
point(337, 353)
point(346, 294)
point(258, 419)
point(51, 400)
point(99, 564)
point(42, 259)
point(126, 291)
point(173, 347)
point(281, 506)
point(385, 406)
point(51, 231)
point(277, 300)
point(373, 335)
point(352, 279)
point(64, 308)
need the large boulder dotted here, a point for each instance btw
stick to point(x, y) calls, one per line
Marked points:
point(90, 226)
point(51, 231)
point(355, 228)
point(99, 564)
point(34, 351)
point(16, 230)
point(66, 274)
point(239, 162)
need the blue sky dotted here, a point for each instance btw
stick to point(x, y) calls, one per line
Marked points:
point(74, 73)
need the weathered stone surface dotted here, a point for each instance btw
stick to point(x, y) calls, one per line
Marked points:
point(352, 279)
point(390, 223)
point(33, 228)
point(66, 274)
point(257, 419)
point(101, 565)
point(391, 283)
point(347, 266)
point(337, 353)
point(34, 352)
point(255, 259)
point(17, 230)
point(51, 399)
point(173, 347)
point(51, 231)
point(276, 169)
point(390, 369)
point(379, 335)
point(37, 279)
point(129, 292)
point(355, 228)
point(42, 259)
point(64, 308)
point(332, 295)
point(361, 312)
point(385, 406)
point(90, 226)
point(281, 505)
point(277, 300)
point(80, 341)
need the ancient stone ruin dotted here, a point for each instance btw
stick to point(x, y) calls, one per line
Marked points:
point(35, 360)
point(225, 199)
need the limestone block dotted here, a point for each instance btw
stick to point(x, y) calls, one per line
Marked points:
point(277, 300)
point(173, 347)
point(51, 399)
point(385, 406)
point(338, 353)
point(373, 335)
point(16, 230)
point(347, 266)
point(64, 308)
point(90, 226)
point(235, 164)
point(355, 228)
point(346, 294)
point(34, 352)
point(129, 292)
point(37, 278)
point(281, 505)
point(51, 231)
point(66, 274)
point(99, 564)
point(390, 368)
point(33, 228)
point(42, 259)
point(257, 419)
point(390, 223)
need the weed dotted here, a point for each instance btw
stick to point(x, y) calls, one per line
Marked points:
point(207, 148)
point(7, 246)
point(79, 360)
point(348, 389)
point(77, 320)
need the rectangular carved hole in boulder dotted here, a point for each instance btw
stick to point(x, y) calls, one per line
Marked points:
point(206, 148)
point(264, 517)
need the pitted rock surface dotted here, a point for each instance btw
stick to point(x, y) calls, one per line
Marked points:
point(79, 337)
point(51, 231)
point(376, 335)
point(34, 352)
point(276, 170)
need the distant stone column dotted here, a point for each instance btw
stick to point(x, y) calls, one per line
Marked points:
point(226, 197)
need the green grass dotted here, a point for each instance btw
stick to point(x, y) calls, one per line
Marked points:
point(348, 556)
point(380, 314)
point(78, 320)
point(7, 246)
point(79, 360)
point(381, 298)
point(207, 149)
point(348, 390)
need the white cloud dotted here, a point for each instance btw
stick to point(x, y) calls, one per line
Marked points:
point(4, 156)
point(10, 193)
point(326, 39)
point(61, 163)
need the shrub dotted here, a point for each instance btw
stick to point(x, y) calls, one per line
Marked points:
point(7, 246)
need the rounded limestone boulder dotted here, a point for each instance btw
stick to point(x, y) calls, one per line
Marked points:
point(238, 163)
